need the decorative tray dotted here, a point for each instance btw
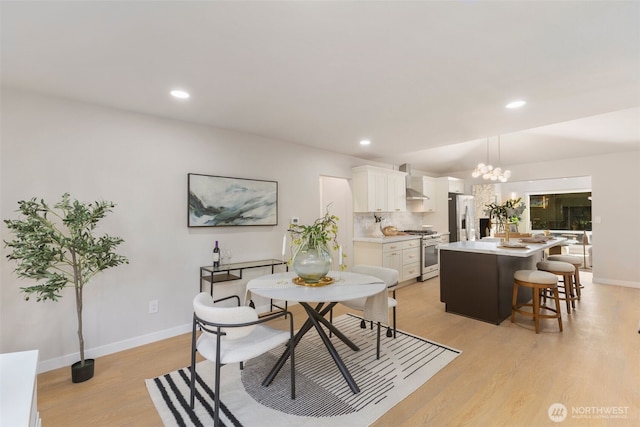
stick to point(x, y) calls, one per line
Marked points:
point(326, 280)
point(536, 239)
point(513, 246)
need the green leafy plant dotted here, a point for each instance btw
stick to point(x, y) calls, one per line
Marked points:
point(318, 235)
point(57, 247)
point(508, 212)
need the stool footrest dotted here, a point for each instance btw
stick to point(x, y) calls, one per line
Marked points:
point(518, 307)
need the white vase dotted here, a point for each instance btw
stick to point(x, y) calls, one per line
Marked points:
point(377, 232)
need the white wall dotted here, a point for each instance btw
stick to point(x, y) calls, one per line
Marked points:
point(51, 146)
point(336, 193)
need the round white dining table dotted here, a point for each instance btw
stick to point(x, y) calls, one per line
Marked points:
point(317, 302)
point(347, 286)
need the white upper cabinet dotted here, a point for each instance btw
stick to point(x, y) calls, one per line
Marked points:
point(456, 185)
point(427, 186)
point(397, 192)
point(378, 190)
point(429, 190)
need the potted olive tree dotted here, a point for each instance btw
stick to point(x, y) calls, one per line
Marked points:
point(57, 247)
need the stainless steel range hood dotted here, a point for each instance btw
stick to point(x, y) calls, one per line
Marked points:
point(411, 193)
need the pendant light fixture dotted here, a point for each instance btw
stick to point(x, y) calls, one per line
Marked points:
point(488, 172)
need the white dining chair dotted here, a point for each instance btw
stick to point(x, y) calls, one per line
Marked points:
point(232, 335)
point(390, 277)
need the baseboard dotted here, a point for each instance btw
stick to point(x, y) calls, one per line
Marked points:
point(69, 359)
point(616, 282)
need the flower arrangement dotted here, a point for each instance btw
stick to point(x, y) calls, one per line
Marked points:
point(508, 212)
point(318, 235)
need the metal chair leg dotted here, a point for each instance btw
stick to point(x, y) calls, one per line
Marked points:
point(193, 366)
point(216, 410)
point(378, 343)
point(330, 321)
point(394, 319)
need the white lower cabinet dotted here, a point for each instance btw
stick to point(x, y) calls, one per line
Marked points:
point(410, 260)
point(402, 256)
point(392, 256)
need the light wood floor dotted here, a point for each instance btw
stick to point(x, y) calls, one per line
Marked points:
point(506, 376)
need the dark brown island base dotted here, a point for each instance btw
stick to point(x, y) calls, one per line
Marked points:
point(476, 277)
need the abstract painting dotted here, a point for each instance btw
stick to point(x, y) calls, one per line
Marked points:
point(216, 201)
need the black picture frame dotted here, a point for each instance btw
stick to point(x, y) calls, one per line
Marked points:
point(220, 201)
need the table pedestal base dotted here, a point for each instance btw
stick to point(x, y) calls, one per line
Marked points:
point(315, 319)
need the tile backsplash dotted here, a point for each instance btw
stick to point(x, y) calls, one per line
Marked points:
point(364, 223)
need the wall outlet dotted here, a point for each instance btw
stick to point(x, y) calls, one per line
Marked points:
point(153, 306)
point(295, 220)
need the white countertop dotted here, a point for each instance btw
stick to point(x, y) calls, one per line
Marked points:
point(493, 247)
point(392, 239)
point(386, 239)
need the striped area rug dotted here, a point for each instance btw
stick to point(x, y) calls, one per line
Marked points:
point(322, 395)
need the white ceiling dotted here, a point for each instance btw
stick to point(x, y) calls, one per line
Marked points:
point(426, 82)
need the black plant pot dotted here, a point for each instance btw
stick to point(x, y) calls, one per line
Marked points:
point(82, 373)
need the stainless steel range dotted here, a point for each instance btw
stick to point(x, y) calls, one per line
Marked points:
point(428, 253)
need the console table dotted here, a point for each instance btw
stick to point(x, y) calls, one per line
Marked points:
point(233, 271)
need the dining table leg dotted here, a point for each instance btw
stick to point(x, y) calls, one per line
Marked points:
point(332, 327)
point(296, 339)
point(315, 318)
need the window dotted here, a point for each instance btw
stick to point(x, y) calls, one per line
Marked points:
point(560, 211)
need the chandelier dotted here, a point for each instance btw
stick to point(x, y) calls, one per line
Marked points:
point(488, 172)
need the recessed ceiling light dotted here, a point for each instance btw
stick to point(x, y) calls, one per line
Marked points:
point(365, 142)
point(515, 104)
point(180, 94)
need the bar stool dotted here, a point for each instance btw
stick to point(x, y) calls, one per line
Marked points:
point(576, 262)
point(538, 281)
point(565, 270)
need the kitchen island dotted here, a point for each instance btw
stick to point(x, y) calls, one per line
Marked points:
point(476, 277)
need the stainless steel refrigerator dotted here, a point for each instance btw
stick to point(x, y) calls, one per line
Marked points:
point(461, 217)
